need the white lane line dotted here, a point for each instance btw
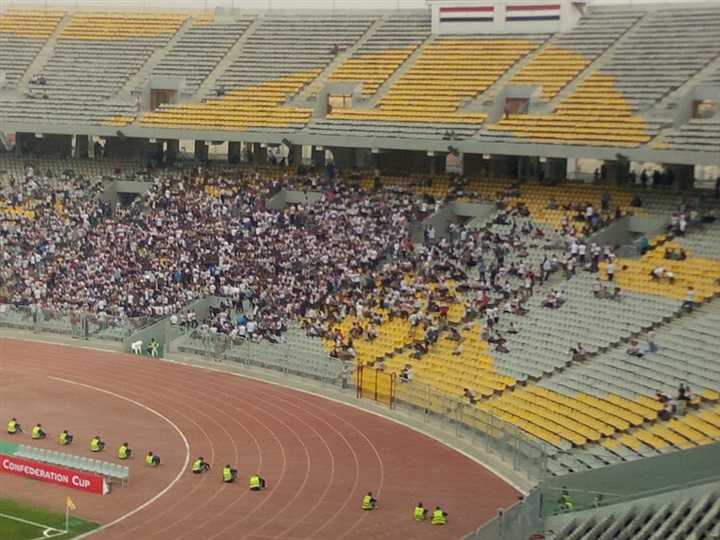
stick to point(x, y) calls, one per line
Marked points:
point(166, 419)
point(398, 421)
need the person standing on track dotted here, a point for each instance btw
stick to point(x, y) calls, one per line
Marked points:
point(200, 466)
point(420, 512)
point(152, 460)
point(96, 445)
point(13, 427)
point(369, 502)
point(65, 438)
point(38, 433)
point(257, 482)
point(124, 451)
point(229, 474)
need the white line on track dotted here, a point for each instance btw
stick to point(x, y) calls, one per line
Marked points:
point(166, 419)
point(358, 407)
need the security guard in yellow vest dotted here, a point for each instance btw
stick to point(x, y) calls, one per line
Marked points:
point(565, 504)
point(96, 445)
point(38, 433)
point(200, 466)
point(65, 438)
point(369, 501)
point(256, 482)
point(13, 427)
point(152, 460)
point(229, 474)
point(420, 512)
point(124, 451)
point(438, 516)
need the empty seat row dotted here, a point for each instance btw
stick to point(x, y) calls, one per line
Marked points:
point(112, 471)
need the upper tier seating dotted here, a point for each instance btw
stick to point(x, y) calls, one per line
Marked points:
point(567, 55)
point(22, 35)
point(448, 72)
point(386, 50)
point(646, 66)
point(258, 106)
point(96, 53)
point(200, 48)
point(595, 113)
point(697, 135)
point(281, 46)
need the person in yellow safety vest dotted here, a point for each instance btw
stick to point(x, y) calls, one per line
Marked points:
point(124, 451)
point(65, 437)
point(229, 474)
point(565, 504)
point(257, 482)
point(152, 460)
point(96, 445)
point(438, 516)
point(38, 433)
point(13, 427)
point(200, 466)
point(369, 502)
point(420, 512)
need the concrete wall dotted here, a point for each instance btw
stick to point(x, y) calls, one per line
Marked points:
point(286, 197)
point(643, 477)
point(477, 213)
point(115, 191)
point(628, 231)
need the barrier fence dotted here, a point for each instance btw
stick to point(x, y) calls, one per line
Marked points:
point(480, 428)
point(286, 357)
point(376, 385)
point(79, 324)
point(520, 521)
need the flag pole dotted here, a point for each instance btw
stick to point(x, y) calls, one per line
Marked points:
point(67, 517)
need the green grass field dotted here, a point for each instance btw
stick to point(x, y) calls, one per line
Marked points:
point(22, 522)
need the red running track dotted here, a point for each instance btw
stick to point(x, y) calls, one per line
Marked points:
point(318, 456)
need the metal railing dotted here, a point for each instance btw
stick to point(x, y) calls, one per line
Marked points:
point(283, 357)
point(76, 323)
point(477, 427)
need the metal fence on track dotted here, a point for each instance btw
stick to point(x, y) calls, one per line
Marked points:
point(478, 427)
point(79, 324)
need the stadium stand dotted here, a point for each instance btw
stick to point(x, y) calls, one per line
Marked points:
point(22, 35)
point(200, 48)
point(645, 69)
point(567, 55)
point(94, 56)
point(380, 56)
point(429, 304)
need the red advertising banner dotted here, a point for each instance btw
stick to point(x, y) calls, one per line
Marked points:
point(54, 475)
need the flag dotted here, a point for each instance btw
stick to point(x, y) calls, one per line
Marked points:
point(70, 504)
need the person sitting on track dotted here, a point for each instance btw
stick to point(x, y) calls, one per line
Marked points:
point(65, 438)
point(124, 451)
point(13, 427)
point(152, 460)
point(369, 502)
point(200, 466)
point(38, 433)
point(229, 474)
point(257, 482)
point(96, 445)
